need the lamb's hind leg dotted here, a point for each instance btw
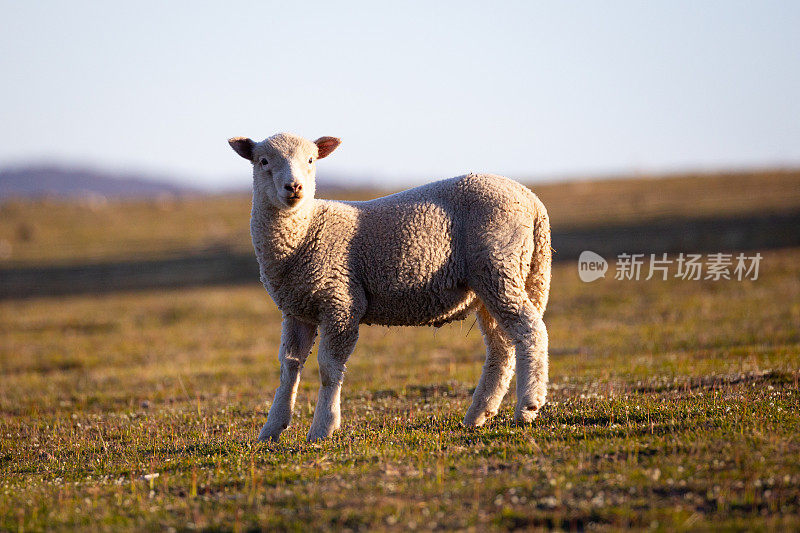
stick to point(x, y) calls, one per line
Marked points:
point(297, 339)
point(520, 320)
point(531, 346)
point(497, 371)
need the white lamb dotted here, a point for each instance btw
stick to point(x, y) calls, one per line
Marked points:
point(425, 256)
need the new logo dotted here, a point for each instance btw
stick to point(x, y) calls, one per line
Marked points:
point(591, 266)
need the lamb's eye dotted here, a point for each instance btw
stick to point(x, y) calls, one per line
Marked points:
point(264, 161)
point(310, 160)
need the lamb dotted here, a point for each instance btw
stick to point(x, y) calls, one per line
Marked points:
point(426, 256)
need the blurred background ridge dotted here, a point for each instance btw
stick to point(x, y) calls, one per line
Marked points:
point(101, 244)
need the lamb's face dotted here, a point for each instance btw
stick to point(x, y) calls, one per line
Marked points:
point(284, 166)
point(284, 169)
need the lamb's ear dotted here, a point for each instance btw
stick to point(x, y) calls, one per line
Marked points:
point(242, 146)
point(326, 145)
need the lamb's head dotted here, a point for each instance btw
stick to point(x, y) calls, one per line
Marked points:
point(284, 169)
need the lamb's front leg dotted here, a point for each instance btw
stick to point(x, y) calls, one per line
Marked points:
point(297, 338)
point(335, 347)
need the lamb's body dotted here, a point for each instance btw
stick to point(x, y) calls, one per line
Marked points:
point(407, 259)
point(425, 256)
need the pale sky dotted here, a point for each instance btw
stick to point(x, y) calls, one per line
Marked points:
point(416, 90)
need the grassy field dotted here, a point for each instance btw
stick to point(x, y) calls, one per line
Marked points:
point(674, 405)
point(55, 232)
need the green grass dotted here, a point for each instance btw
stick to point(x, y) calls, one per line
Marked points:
point(674, 405)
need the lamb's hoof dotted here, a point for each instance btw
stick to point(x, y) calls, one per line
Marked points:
point(317, 434)
point(476, 420)
point(270, 433)
point(526, 415)
point(316, 437)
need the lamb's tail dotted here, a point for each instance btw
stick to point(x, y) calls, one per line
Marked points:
point(538, 282)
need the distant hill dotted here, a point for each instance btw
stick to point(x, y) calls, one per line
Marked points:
point(27, 182)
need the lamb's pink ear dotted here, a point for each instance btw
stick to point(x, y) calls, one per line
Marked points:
point(327, 145)
point(242, 146)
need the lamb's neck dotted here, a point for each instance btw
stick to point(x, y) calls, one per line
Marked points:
point(277, 233)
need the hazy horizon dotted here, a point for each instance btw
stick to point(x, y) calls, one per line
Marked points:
point(535, 91)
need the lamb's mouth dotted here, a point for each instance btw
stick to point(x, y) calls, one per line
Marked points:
point(292, 200)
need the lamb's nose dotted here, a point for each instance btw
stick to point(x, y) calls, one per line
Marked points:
point(293, 187)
